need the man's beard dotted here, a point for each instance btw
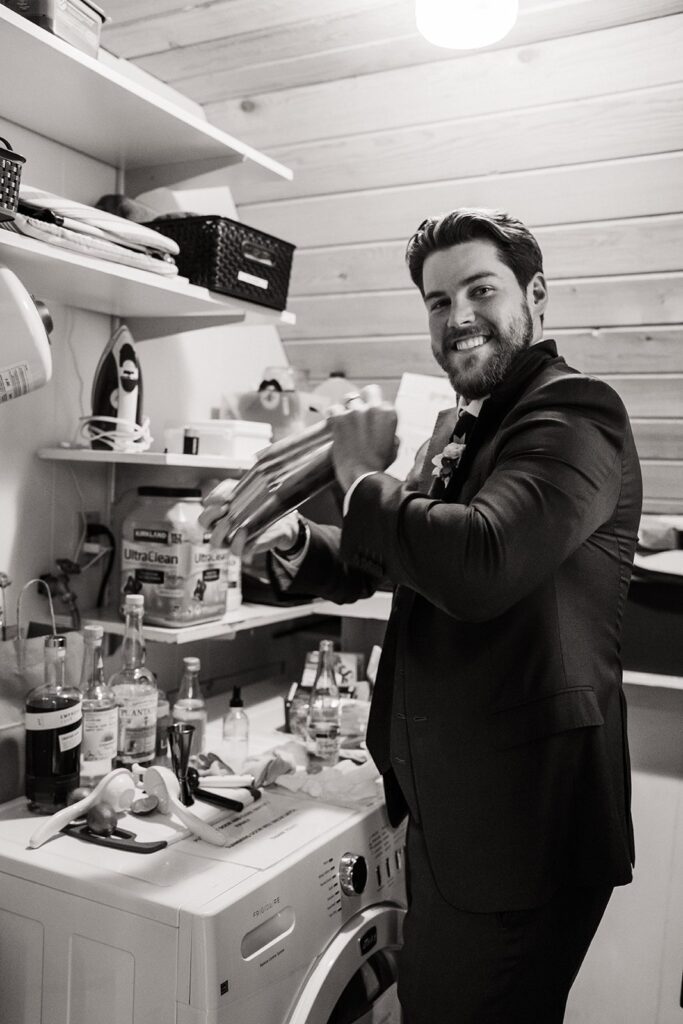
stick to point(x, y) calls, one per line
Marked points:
point(504, 346)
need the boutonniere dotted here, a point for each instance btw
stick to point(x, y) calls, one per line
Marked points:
point(447, 462)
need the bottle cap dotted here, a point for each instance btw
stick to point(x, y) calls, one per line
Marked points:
point(93, 632)
point(236, 699)
point(134, 601)
point(54, 641)
point(193, 664)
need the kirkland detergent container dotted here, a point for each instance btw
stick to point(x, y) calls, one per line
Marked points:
point(117, 422)
point(25, 357)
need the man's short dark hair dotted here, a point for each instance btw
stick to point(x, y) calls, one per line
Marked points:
point(516, 246)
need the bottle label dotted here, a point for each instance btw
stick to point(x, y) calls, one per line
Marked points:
point(100, 731)
point(182, 581)
point(137, 727)
point(41, 720)
point(326, 745)
point(15, 380)
point(326, 738)
point(69, 740)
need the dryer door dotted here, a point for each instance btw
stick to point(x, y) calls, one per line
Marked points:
point(354, 980)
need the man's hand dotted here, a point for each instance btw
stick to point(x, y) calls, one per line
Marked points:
point(214, 517)
point(364, 441)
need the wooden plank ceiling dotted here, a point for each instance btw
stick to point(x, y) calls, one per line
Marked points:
point(574, 123)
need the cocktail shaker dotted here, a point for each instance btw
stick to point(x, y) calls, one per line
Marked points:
point(284, 475)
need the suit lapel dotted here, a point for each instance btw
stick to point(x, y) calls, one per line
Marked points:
point(443, 428)
point(526, 368)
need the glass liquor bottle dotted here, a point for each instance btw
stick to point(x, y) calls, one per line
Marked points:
point(53, 734)
point(190, 706)
point(135, 693)
point(236, 732)
point(100, 713)
point(323, 724)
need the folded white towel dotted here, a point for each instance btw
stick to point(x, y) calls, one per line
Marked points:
point(87, 245)
point(117, 229)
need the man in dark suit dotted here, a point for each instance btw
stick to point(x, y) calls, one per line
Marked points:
point(498, 719)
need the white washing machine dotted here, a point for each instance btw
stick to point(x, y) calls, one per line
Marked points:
point(295, 921)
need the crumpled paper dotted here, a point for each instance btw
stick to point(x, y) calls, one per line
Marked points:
point(346, 783)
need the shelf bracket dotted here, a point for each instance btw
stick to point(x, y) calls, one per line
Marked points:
point(145, 328)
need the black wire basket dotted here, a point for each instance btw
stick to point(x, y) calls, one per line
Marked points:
point(229, 257)
point(10, 178)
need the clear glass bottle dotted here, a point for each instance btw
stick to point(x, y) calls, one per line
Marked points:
point(135, 692)
point(298, 710)
point(323, 723)
point(100, 713)
point(54, 716)
point(236, 732)
point(163, 756)
point(190, 706)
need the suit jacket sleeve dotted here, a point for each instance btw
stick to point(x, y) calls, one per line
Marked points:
point(323, 573)
point(555, 480)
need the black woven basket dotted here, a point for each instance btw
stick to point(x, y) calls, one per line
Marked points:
point(231, 258)
point(10, 177)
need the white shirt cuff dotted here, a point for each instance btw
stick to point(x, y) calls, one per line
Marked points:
point(285, 569)
point(347, 496)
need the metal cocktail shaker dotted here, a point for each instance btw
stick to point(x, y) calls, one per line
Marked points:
point(284, 475)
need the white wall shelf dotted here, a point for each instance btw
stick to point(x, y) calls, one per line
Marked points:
point(53, 89)
point(66, 454)
point(653, 679)
point(153, 306)
point(375, 607)
point(247, 616)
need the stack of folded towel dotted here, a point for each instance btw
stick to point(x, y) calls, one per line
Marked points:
point(92, 232)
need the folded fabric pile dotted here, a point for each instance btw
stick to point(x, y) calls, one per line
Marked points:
point(92, 232)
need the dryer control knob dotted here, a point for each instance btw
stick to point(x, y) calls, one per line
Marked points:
point(353, 874)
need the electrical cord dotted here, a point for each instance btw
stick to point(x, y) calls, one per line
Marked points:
point(116, 434)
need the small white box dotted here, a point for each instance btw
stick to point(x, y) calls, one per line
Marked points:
point(233, 439)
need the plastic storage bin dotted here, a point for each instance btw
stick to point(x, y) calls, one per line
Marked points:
point(231, 258)
point(78, 22)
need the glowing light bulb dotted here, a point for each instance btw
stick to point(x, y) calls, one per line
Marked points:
point(465, 24)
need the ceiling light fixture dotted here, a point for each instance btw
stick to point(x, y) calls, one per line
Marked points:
point(465, 24)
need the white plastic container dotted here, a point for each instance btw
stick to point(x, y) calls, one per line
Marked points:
point(167, 556)
point(25, 359)
point(232, 439)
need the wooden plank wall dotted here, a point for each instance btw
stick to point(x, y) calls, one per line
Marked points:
point(574, 123)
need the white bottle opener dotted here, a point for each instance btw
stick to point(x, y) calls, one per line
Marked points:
point(162, 783)
point(117, 789)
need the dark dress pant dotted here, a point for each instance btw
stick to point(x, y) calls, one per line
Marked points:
point(509, 967)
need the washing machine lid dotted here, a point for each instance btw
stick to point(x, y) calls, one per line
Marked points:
point(189, 874)
point(371, 931)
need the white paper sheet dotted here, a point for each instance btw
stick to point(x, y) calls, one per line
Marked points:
point(419, 400)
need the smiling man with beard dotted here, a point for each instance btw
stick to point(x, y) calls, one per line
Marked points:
point(498, 719)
